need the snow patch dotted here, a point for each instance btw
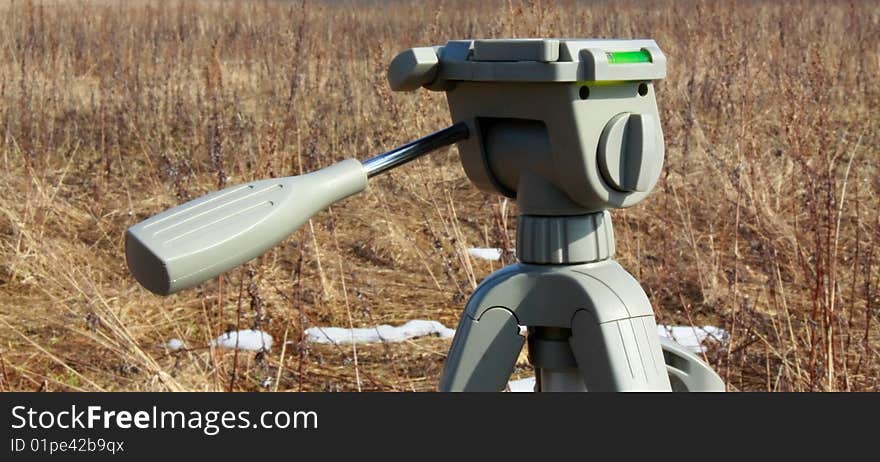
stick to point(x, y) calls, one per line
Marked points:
point(248, 339)
point(526, 385)
point(691, 337)
point(485, 253)
point(382, 333)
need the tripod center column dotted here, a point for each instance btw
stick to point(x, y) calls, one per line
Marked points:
point(560, 240)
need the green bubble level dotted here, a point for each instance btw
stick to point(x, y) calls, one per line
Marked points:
point(628, 57)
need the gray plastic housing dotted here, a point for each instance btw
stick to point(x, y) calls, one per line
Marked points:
point(614, 337)
point(555, 124)
point(191, 243)
point(687, 372)
point(562, 171)
point(522, 60)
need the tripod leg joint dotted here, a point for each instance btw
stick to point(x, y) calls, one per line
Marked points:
point(483, 352)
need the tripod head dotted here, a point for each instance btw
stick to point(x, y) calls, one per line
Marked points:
point(567, 127)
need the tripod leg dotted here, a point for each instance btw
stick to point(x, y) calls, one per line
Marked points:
point(621, 355)
point(483, 352)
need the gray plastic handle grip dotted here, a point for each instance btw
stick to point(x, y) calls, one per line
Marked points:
point(189, 244)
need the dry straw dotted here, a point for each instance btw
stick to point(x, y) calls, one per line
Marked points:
point(765, 222)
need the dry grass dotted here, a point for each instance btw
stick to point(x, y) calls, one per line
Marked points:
point(766, 221)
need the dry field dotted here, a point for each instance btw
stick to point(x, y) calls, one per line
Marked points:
point(766, 221)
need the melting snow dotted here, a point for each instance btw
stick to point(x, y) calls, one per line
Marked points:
point(692, 337)
point(526, 385)
point(485, 253)
point(249, 339)
point(382, 333)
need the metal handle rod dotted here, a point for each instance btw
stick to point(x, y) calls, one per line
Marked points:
point(412, 150)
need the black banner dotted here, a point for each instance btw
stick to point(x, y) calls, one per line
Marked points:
point(383, 426)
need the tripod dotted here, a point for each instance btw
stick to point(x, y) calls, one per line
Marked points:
point(568, 128)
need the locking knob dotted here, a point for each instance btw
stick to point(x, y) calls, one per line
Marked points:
point(631, 152)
